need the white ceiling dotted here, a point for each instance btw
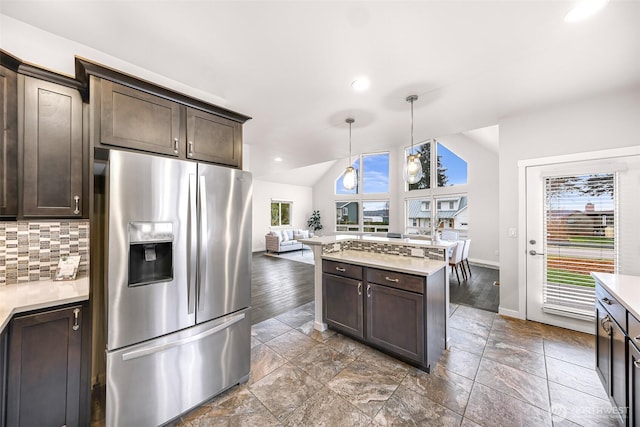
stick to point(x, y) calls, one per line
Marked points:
point(289, 64)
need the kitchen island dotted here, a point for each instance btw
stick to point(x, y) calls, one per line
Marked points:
point(391, 294)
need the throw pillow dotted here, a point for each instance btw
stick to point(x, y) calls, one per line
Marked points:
point(289, 234)
point(284, 237)
point(304, 234)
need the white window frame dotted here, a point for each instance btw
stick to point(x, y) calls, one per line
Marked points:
point(281, 202)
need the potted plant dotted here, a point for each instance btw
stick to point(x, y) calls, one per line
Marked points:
point(314, 222)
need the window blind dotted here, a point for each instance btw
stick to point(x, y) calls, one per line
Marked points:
point(580, 237)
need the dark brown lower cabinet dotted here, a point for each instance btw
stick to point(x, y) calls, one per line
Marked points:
point(400, 314)
point(3, 377)
point(45, 369)
point(634, 385)
point(345, 311)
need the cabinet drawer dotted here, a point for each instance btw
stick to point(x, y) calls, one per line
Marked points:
point(615, 309)
point(634, 329)
point(396, 280)
point(342, 269)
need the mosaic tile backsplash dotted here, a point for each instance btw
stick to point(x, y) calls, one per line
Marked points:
point(382, 248)
point(30, 251)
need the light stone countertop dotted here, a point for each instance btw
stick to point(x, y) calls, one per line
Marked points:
point(23, 297)
point(326, 240)
point(401, 264)
point(625, 288)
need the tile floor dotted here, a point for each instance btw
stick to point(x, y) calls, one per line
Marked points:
point(498, 372)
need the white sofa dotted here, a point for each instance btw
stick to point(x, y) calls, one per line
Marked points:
point(285, 240)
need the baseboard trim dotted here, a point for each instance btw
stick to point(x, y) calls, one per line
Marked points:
point(510, 313)
point(319, 326)
point(482, 263)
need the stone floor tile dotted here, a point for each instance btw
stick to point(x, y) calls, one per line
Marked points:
point(368, 385)
point(269, 329)
point(466, 341)
point(571, 351)
point(346, 345)
point(460, 362)
point(476, 313)
point(291, 343)
point(263, 361)
point(295, 317)
point(452, 308)
point(327, 408)
point(322, 362)
point(310, 330)
point(406, 407)
point(516, 357)
point(441, 386)
point(576, 377)
point(514, 382)
point(527, 340)
point(466, 422)
point(284, 390)
point(255, 341)
point(580, 408)
point(489, 407)
point(475, 326)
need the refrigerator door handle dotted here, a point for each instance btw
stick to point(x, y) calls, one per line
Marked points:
point(202, 193)
point(162, 347)
point(192, 245)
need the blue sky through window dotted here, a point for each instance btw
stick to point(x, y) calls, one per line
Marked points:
point(456, 168)
point(376, 173)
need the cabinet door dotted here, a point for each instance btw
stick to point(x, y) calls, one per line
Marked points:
point(8, 143)
point(603, 347)
point(211, 138)
point(395, 321)
point(3, 377)
point(133, 119)
point(619, 369)
point(634, 385)
point(342, 304)
point(52, 150)
point(44, 369)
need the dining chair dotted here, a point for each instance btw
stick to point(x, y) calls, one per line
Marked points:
point(449, 235)
point(465, 255)
point(455, 260)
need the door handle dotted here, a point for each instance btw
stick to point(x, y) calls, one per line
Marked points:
point(175, 145)
point(204, 244)
point(192, 236)
point(389, 279)
point(341, 270)
point(76, 199)
point(606, 300)
point(368, 291)
point(76, 320)
point(359, 288)
point(533, 252)
point(190, 148)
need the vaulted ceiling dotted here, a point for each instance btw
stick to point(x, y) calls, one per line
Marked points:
point(290, 64)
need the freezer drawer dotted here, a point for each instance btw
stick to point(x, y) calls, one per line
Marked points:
point(151, 383)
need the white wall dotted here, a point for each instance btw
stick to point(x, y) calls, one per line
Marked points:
point(482, 191)
point(598, 123)
point(263, 192)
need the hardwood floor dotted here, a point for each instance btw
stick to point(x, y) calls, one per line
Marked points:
point(479, 291)
point(278, 285)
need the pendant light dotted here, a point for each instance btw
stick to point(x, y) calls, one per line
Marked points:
point(350, 177)
point(412, 171)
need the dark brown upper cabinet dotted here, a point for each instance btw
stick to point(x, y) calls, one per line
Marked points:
point(52, 150)
point(139, 115)
point(8, 143)
point(214, 139)
point(133, 119)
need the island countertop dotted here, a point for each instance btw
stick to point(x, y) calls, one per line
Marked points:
point(402, 264)
point(327, 240)
point(624, 288)
point(23, 297)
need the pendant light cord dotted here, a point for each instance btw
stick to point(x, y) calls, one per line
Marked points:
point(411, 126)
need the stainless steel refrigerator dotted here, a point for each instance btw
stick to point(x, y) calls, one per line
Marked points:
point(178, 285)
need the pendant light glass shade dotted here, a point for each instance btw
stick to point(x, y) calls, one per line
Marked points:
point(350, 177)
point(412, 170)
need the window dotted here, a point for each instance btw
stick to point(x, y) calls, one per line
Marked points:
point(373, 177)
point(451, 213)
point(375, 216)
point(375, 173)
point(418, 216)
point(452, 170)
point(280, 213)
point(579, 238)
point(347, 216)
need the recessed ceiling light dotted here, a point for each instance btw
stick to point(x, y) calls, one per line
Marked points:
point(585, 9)
point(278, 159)
point(361, 83)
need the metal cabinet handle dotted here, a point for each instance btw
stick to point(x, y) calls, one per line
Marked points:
point(389, 279)
point(341, 270)
point(77, 201)
point(76, 320)
point(606, 319)
point(636, 364)
point(190, 148)
point(368, 291)
point(637, 339)
point(175, 145)
point(606, 300)
point(359, 288)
